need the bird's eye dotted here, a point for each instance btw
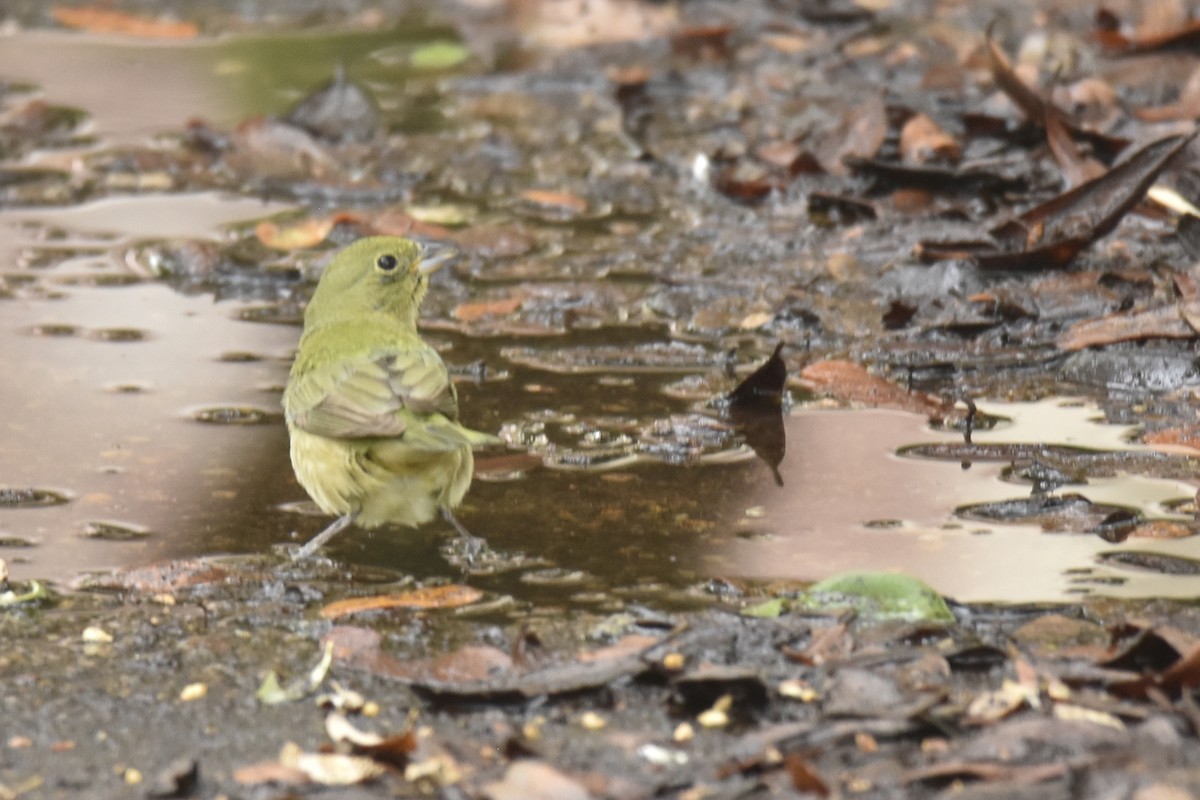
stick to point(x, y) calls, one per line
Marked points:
point(387, 262)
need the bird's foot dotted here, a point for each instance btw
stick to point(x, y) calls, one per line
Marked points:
point(468, 549)
point(317, 542)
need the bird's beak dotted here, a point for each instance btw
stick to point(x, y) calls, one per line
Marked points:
point(434, 256)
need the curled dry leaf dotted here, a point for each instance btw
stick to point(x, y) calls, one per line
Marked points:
point(330, 769)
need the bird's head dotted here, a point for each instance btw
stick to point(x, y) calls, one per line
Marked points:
point(380, 273)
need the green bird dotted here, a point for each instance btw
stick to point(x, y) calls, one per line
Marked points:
point(371, 410)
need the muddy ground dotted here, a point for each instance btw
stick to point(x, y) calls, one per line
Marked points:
point(931, 206)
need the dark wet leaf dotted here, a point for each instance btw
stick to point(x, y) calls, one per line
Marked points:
point(31, 498)
point(703, 686)
point(1072, 513)
point(833, 12)
point(1147, 651)
point(805, 778)
point(837, 209)
point(976, 658)
point(341, 111)
point(1050, 235)
point(1188, 230)
point(968, 179)
point(1145, 369)
point(1036, 109)
point(763, 387)
point(115, 531)
point(1015, 775)
point(1161, 563)
point(237, 415)
point(854, 692)
point(177, 779)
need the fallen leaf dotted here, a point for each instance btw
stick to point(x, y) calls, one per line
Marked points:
point(923, 141)
point(470, 312)
point(439, 55)
point(997, 704)
point(341, 111)
point(530, 779)
point(105, 20)
point(1069, 711)
point(330, 769)
point(1164, 322)
point(557, 200)
point(448, 596)
point(851, 382)
point(309, 233)
point(269, 772)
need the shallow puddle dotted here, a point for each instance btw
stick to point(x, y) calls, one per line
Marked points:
point(170, 443)
point(142, 422)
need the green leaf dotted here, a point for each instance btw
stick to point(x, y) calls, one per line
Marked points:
point(439, 55)
point(878, 596)
point(271, 692)
point(36, 592)
point(769, 610)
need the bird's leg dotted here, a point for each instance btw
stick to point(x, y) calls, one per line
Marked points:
point(472, 544)
point(314, 544)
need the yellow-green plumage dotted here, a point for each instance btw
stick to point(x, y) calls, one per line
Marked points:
point(370, 408)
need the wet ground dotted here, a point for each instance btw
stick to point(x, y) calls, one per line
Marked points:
point(645, 209)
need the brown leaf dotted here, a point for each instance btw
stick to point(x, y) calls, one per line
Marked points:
point(448, 596)
point(805, 778)
point(863, 133)
point(272, 148)
point(1163, 322)
point(628, 645)
point(529, 779)
point(703, 43)
point(1053, 233)
point(1035, 109)
point(1018, 774)
point(470, 312)
point(1077, 168)
point(309, 233)
point(105, 20)
point(165, 577)
point(269, 772)
point(1183, 437)
point(851, 382)
point(1184, 40)
point(564, 201)
point(923, 141)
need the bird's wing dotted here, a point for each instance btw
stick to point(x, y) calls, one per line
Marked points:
point(381, 394)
